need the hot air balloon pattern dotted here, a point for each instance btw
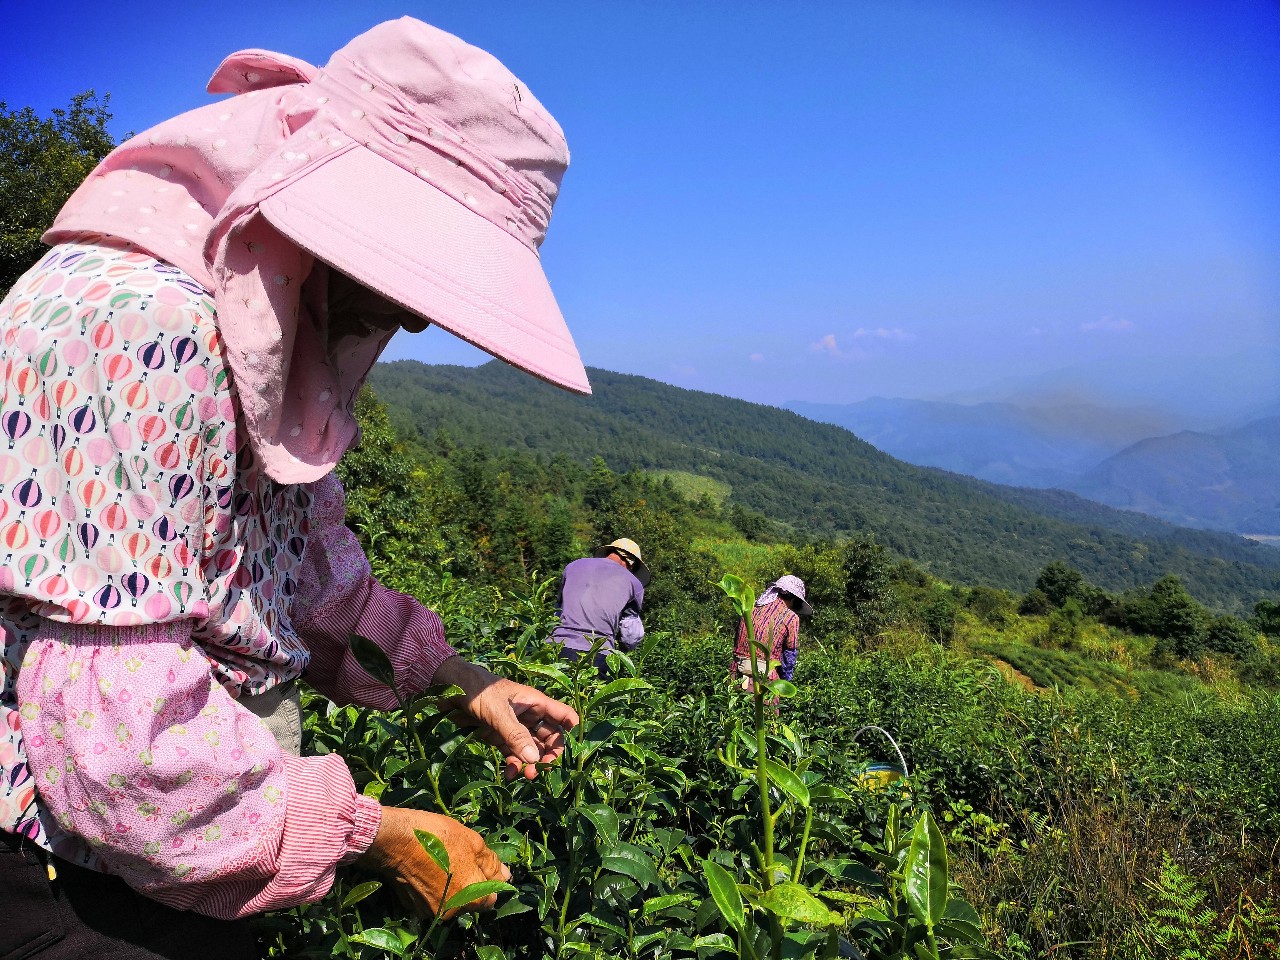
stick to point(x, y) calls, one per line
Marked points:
point(127, 494)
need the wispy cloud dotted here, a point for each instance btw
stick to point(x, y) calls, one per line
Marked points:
point(883, 333)
point(827, 345)
point(1107, 325)
point(756, 358)
point(1037, 332)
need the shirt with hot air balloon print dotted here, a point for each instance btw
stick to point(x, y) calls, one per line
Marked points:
point(127, 495)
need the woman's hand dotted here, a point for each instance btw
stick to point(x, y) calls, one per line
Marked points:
point(524, 723)
point(416, 877)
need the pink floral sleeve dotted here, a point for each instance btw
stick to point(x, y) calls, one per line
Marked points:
point(180, 791)
point(338, 596)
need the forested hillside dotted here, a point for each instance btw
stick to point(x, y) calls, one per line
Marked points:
point(819, 480)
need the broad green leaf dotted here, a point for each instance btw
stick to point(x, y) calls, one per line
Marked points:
point(712, 941)
point(925, 869)
point(781, 688)
point(371, 657)
point(382, 938)
point(850, 870)
point(476, 891)
point(743, 597)
point(924, 951)
point(724, 891)
point(511, 908)
point(616, 688)
point(788, 781)
point(593, 920)
point(825, 792)
point(435, 849)
point(604, 819)
point(631, 861)
point(791, 901)
point(958, 909)
point(655, 904)
point(475, 786)
point(359, 893)
point(487, 951)
point(959, 931)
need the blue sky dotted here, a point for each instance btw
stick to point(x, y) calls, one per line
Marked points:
point(828, 201)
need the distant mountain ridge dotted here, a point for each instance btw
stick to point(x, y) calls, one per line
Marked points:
point(823, 481)
point(1216, 481)
point(1018, 445)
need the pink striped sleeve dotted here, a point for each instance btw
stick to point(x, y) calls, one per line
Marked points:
point(180, 791)
point(338, 596)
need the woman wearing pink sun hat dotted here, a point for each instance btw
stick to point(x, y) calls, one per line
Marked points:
point(181, 373)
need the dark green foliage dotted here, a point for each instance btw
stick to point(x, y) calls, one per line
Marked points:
point(42, 161)
point(992, 606)
point(821, 481)
point(1035, 604)
point(1232, 636)
point(1266, 617)
point(938, 616)
point(1168, 613)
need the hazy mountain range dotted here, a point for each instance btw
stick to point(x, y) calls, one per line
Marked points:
point(1129, 458)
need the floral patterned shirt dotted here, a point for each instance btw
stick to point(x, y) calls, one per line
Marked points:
point(152, 575)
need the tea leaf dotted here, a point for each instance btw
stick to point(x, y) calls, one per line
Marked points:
point(788, 781)
point(383, 939)
point(791, 901)
point(604, 819)
point(631, 861)
point(656, 904)
point(372, 659)
point(926, 872)
point(616, 688)
point(359, 893)
point(475, 891)
point(743, 596)
point(724, 890)
point(435, 849)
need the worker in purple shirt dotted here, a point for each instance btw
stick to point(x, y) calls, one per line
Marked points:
point(601, 596)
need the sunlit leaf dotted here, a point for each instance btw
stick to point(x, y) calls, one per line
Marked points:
point(435, 849)
point(616, 688)
point(604, 819)
point(476, 891)
point(631, 861)
point(788, 781)
point(356, 894)
point(926, 872)
point(724, 891)
point(658, 904)
point(792, 901)
point(382, 938)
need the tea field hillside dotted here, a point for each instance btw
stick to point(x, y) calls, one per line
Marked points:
point(1089, 774)
point(818, 480)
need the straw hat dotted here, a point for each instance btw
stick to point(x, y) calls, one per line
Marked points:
point(629, 550)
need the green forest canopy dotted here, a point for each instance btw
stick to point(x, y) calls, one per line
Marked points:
point(821, 481)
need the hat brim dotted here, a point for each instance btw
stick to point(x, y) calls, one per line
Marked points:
point(415, 245)
point(805, 609)
point(637, 568)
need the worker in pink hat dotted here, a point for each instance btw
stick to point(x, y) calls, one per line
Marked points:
point(775, 620)
point(180, 371)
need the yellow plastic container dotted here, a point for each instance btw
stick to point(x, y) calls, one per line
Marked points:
point(879, 775)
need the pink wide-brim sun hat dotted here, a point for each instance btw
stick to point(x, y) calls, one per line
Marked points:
point(435, 191)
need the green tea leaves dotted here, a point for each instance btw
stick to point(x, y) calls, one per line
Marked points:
point(926, 872)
